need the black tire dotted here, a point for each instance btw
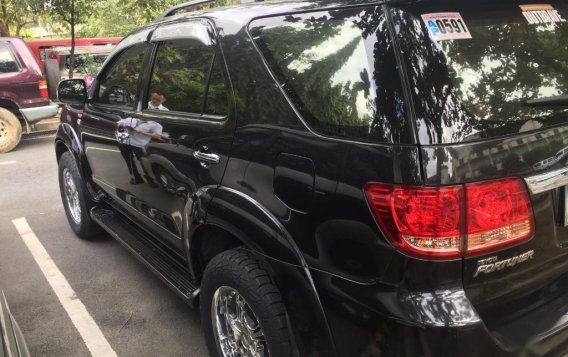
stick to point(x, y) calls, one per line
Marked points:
point(237, 269)
point(79, 219)
point(10, 131)
point(53, 77)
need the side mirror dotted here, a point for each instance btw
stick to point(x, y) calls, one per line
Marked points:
point(72, 91)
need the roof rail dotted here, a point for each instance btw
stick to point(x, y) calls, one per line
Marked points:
point(173, 10)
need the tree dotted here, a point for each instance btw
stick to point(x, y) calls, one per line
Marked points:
point(18, 13)
point(119, 17)
point(72, 12)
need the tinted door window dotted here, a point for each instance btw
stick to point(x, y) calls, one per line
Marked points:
point(181, 75)
point(8, 62)
point(119, 85)
point(339, 69)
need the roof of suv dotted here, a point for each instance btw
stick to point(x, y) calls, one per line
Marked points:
point(246, 12)
point(240, 15)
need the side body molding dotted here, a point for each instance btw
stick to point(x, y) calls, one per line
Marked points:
point(267, 238)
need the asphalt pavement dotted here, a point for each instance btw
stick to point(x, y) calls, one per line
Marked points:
point(137, 313)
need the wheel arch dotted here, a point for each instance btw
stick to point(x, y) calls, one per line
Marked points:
point(10, 105)
point(208, 241)
point(233, 219)
point(67, 140)
point(13, 107)
point(60, 149)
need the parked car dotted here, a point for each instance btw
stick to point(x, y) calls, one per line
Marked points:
point(12, 343)
point(23, 92)
point(333, 178)
point(40, 48)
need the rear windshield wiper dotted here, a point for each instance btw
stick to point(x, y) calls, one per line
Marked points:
point(555, 101)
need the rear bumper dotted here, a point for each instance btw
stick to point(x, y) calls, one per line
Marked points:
point(369, 320)
point(35, 114)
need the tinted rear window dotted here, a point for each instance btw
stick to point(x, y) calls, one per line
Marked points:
point(481, 87)
point(8, 62)
point(339, 70)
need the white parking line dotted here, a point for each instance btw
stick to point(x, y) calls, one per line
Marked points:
point(84, 323)
point(7, 162)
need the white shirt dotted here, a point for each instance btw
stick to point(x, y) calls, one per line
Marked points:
point(138, 139)
point(159, 107)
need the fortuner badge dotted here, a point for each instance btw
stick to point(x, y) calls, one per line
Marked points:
point(492, 264)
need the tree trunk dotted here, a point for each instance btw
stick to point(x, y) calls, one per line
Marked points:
point(72, 58)
point(4, 23)
point(19, 29)
point(4, 30)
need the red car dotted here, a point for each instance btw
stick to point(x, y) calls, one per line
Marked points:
point(39, 48)
point(23, 92)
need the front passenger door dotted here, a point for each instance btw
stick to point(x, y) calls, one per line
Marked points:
point(195, 123)
point(116, 98)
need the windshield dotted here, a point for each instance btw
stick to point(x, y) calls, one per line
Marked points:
point(486, 77)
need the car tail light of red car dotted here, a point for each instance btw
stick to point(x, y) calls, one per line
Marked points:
point(42, 85)
point(454, 221)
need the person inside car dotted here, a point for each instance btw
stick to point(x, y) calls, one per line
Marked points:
point(156, 100)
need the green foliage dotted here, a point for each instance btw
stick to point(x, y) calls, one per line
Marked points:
point(72, 12)
point(112, 18)
point(18, 13)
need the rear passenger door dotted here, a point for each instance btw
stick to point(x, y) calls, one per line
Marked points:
point(191, 123)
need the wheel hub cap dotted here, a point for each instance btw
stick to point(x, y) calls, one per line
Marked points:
point(237, 330)
point(3, 130)
point(71, 196)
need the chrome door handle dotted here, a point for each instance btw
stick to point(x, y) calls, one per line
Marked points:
point(206, 158)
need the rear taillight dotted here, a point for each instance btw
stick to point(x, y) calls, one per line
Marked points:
point(452, 222)
point(42, 85)
point(499, 214)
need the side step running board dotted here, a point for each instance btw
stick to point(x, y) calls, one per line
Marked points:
point(153, 257)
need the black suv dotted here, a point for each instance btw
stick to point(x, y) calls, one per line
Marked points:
point(339, 178)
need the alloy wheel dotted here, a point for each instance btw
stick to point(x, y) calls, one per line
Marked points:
point(237, 329)
point(71, 196)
